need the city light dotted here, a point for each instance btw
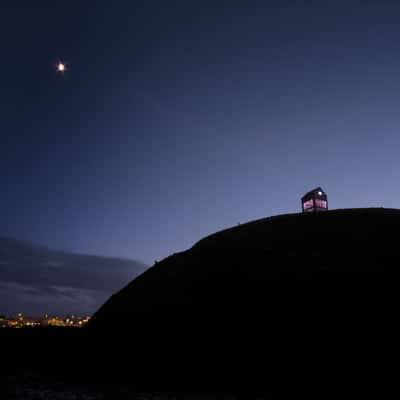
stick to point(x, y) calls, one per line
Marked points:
point(22, 321)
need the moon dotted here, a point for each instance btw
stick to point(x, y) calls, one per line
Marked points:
point(61, 67)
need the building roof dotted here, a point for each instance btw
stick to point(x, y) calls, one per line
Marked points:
point(315, 192)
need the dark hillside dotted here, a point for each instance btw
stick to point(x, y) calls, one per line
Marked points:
point(284, 300)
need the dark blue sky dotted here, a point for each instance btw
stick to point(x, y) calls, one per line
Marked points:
point(177, 119)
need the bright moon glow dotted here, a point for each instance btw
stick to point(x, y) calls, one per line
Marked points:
point(61, 67)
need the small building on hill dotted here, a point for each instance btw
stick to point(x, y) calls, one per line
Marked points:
point(315, 200)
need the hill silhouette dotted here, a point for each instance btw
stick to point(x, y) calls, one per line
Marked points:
point(287, 299)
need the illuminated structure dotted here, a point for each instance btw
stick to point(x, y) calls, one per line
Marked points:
point(314, 201)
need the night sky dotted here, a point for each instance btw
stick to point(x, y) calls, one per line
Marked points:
point(179, 118)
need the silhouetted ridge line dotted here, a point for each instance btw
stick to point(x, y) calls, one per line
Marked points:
point(287, 299)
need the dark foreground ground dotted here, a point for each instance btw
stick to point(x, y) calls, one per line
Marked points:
point(56, 363)
point(60, 363)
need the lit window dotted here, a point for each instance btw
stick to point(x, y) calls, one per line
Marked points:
point(309, 204)
point(320, 203)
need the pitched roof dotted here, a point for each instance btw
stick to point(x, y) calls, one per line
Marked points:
point(314, 192)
